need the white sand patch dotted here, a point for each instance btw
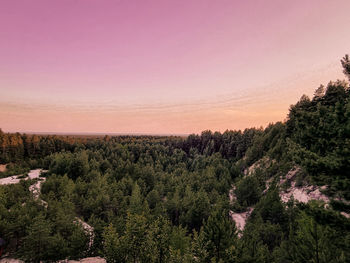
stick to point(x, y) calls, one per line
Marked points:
point(36, 189)
point(345, 214)
point(14, 179)
point(290, 175)
point(11, 260)
point(34, 173)
point(89, 230)
point(85, 260)
point(10, 180)
point(241, 218)
point(302, 194)
point(264, 162)
point(231, 194)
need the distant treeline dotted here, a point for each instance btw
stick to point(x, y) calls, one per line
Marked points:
point(166, 198)
point(230, 144)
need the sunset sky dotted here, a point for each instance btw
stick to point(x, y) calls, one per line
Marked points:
point(163, 67)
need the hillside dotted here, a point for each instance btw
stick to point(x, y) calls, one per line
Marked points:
point(279, 194)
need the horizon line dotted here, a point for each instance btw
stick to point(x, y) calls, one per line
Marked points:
point(100, 133)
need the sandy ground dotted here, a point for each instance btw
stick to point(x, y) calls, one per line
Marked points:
point(231, 194)
point(35, 173)
point(35, 189)
point(89, 230)
point(345, 214)
point(84, 260)
point(10, 180)
point(291, 174)
point(15, 180)
point(241, 218)
point(3, 167)
point(262, 163)
point(11, 260)
point(302, 194)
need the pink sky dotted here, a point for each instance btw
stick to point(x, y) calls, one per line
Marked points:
point(164, 67)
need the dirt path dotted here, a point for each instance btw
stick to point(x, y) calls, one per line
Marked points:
point(14, 179)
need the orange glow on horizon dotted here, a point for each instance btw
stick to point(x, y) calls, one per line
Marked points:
point(163, 67)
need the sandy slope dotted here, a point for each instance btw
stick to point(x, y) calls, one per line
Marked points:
point(241, 218)
point(302, 194)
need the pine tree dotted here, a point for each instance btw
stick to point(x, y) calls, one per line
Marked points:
point(220, 235)
point(346, 65)
point(315, 243)
point(38, 240)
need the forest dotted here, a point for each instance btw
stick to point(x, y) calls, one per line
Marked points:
point(167, 198)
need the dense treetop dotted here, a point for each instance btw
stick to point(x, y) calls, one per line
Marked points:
point(166, 198)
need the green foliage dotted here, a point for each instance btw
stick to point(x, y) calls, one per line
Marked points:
point(165, 199)
point(318, 137)
point(248, 191)
point(316, 243)
point(220, 236)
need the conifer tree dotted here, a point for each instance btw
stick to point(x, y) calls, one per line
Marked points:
point(219, 234)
